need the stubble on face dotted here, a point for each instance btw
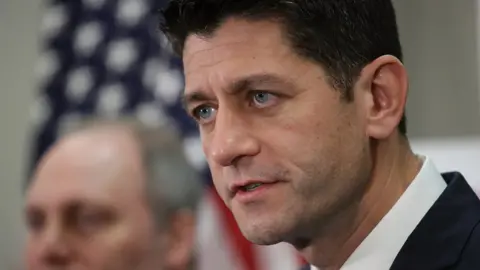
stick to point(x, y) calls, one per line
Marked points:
point(310, 138)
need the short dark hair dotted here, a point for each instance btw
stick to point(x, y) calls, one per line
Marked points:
point(341, 35)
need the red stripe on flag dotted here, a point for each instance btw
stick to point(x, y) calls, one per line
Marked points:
point(301, 260)
point(243, 248)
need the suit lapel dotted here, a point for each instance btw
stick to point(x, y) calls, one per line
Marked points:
point(438, 240)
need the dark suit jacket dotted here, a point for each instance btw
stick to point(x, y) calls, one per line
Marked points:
point(448, 236)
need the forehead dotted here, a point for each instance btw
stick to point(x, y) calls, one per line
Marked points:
point(240, 46)
point(79, 172)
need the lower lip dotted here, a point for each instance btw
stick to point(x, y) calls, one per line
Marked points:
point(253, 195)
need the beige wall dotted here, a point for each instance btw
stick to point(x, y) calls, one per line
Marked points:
point(439, 44)
point(18, 24)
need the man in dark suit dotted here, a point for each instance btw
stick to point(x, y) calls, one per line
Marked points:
point(300, 106)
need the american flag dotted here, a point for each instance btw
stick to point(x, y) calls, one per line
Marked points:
point(108, 58)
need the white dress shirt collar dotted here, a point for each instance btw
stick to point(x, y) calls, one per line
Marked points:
point(379, 249)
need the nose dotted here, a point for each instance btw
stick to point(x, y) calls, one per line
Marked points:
point(53, 247)
point(233, 139)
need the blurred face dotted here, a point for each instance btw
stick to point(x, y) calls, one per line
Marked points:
point(86, 210)
point(285, 151)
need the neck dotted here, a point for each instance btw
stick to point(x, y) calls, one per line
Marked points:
point(394, 168)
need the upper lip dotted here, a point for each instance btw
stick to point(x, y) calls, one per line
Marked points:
point(237, 185)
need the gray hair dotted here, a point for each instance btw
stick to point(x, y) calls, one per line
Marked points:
point(172, 183)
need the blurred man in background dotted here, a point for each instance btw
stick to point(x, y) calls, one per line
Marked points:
point(300, 106)
point(113, 196)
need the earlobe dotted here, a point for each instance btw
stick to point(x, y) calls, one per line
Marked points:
point(388, 93)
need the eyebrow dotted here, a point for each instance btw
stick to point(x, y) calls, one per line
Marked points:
point(248, 82)
point(76, 202)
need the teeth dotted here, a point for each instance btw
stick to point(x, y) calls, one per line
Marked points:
point(251, 187)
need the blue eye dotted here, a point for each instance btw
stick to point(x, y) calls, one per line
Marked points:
point(203, 113)
point(263, 99)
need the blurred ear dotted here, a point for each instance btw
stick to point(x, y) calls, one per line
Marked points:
point(384, 93)
point(181, 240)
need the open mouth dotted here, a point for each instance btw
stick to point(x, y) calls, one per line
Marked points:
point(250, 187)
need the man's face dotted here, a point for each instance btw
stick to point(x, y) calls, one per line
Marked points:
point(86, 209)
point(270, 117)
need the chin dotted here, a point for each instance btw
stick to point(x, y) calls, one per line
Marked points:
point(264, 233)
point(263, 240)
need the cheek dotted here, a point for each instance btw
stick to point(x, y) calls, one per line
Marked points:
point(124, 244)
point(313, 142)
point(218, 180)
point(215, 170)
point(299, 139)
point(137, 237)
point(206, 141)
point(32, 255)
